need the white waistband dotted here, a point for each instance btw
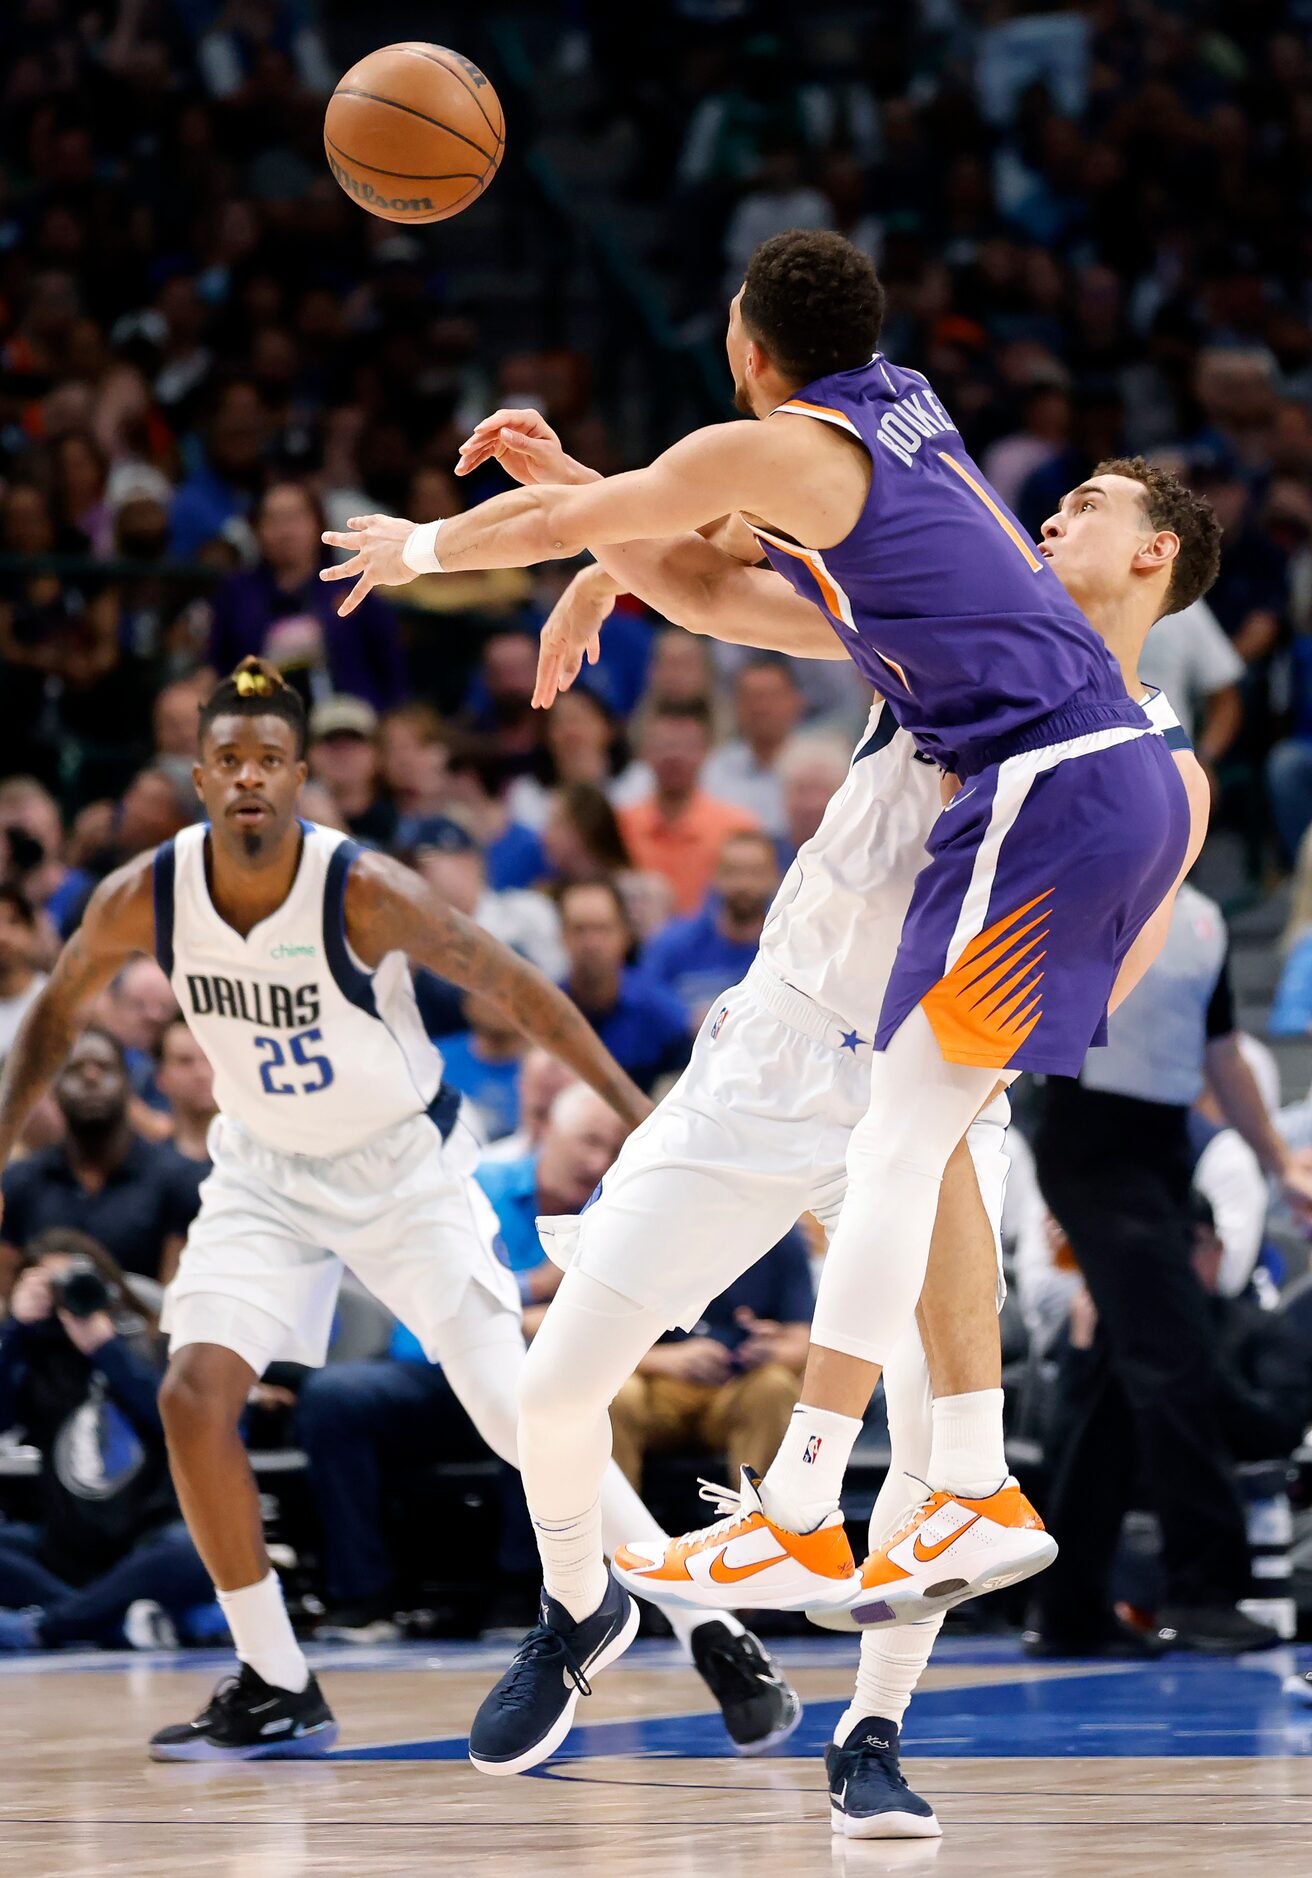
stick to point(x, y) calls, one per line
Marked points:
point(801, 1013)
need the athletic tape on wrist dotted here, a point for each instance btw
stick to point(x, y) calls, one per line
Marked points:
point(419, 549)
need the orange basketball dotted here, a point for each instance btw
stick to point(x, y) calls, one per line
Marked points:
point(414, 133)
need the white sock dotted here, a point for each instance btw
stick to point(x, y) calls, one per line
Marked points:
point(892, 1662)
point(967, 1454)
point(573, 1564)
point(262, 1632)
point(806, 1476)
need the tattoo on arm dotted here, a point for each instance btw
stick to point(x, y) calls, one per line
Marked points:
point(390, 909)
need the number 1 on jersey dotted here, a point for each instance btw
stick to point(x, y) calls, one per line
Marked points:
point(276, 1059)
point(1004, 522)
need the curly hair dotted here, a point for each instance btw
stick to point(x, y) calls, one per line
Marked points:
point(1169, 503)
point(813, 302)
point(255, 689)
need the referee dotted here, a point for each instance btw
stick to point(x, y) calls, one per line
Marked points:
point(1115, 1163)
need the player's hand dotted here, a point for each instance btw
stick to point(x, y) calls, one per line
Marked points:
point(526, 447)
point(375, 542)
point(31, 1300)
point(88, 1334)
point(572, 633)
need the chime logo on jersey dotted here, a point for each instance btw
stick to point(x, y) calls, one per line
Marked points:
point(273, 1007)
point(718, 1025)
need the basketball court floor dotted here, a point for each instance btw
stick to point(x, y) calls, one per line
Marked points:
point(1187, 1766)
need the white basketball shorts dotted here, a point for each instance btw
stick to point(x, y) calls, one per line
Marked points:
point(265, 1254)
point(752, 1135)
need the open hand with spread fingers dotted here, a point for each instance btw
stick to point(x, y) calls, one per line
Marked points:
point(375, 542)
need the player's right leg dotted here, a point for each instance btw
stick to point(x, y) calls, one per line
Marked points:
point(689, 1205)
point(249, 1290)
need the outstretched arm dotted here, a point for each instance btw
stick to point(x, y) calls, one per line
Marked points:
point(119, 921)
point(776, 468)
point(390, 909)
point(691, 578)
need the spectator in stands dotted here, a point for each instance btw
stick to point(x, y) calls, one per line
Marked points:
point(280, 610)
point(812, 766)
point(767, 709)
point(541, 1079)
point(483, 1064)
point(452, 862)
point(344, 757)
point(681, 828)
point(1114, 1163)
point(221, 489)
point(582, 743)
point(136, 1198)
point(151, 810)
point(185, 1079)
point(730, 1385)
point(174, 721)
point(108, 1559)
point(20, 981)
point(696, 958)
point(36, 865)
point(498, 713)
point(641, 1023)
point(137, 1008)
point(414, 750)
point(582, 837)
point(367, 1426)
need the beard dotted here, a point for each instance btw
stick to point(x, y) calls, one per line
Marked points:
point(252, 843)
point(743, 907)
point(742, 400)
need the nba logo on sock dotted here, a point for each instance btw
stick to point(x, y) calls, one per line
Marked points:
point(812, 1450)
point(718, 1025)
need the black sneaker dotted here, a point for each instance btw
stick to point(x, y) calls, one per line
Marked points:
point(527, 1715)
point(1212, 1630)
point(1112, 1639)
point(760, 1709)
point(868, 1797)
point(248, 1719)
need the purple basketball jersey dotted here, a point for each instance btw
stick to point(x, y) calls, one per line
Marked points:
point(937, 594)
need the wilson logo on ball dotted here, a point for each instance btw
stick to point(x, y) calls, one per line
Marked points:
point(366, 193)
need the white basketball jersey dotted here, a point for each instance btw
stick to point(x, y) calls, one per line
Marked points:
point(833, 930)
point(312, 1052)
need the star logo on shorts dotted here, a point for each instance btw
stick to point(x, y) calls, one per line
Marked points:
point(852, 1042)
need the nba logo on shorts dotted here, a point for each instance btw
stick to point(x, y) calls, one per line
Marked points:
point(812, 1450)
point(718, 1025)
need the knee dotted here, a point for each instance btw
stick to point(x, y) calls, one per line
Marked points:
point(202, 1394)
point(546, 1393)
point(629, 1409)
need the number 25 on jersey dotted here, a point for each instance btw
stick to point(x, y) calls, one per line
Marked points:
point(274, 1061)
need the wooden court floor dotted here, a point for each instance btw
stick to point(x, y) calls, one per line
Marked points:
point(1186, 1767)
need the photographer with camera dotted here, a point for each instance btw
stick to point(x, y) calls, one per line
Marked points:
point(80, 1368)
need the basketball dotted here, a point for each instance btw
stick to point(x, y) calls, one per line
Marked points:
point(414, 133)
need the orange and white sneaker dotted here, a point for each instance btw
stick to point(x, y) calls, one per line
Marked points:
point(948, 1550)
point(743, 1561)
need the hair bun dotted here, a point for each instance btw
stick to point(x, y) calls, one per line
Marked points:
point(254, 679)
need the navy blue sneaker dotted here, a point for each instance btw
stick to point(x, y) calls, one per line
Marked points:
point(868, 1797)
point(248, 1719)
point(760, 1708)
point(527, 1715)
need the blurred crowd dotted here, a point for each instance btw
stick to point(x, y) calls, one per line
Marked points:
point(1092, 225)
